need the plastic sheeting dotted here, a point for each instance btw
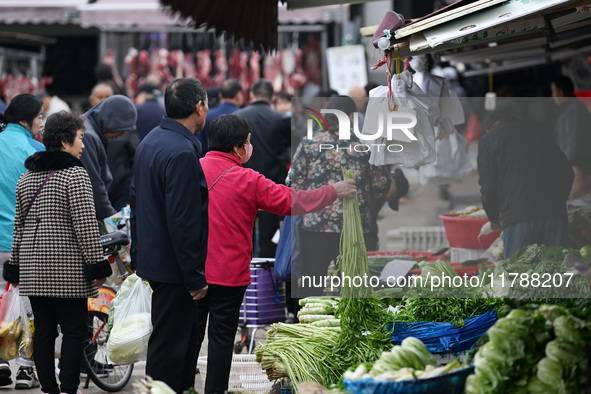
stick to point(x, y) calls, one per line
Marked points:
point(445, 337)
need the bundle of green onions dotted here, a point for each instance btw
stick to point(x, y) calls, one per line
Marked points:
point(319, 311)
point(352, 260)
point(299, 351)
point(363, 336)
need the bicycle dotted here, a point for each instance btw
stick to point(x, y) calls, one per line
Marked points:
point(106, 375)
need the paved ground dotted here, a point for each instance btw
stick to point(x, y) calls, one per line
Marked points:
point(421, 208)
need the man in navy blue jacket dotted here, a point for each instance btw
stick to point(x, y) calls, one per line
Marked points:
point(231, 99)
point(169, 227)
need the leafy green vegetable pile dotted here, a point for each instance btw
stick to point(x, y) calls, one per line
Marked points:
point(443, 304)
point(445, 310)
point(299, 351)
point(539, 351)
point(545, 263)
point(409, 361)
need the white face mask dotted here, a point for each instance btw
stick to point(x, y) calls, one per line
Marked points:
point(248, 153)
point(419, 64)
point(246, 157)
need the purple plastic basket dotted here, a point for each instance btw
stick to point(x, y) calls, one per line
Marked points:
point(260, 317)
point(264, 301)
point(263, 294)
point(263, 307)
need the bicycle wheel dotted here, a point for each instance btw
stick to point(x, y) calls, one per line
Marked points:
point(106, 375)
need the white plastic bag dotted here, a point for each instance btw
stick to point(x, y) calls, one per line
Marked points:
point(452, 164)
point(130, 316)
point(399, 149)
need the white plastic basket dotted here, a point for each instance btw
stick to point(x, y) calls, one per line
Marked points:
point(246, 374)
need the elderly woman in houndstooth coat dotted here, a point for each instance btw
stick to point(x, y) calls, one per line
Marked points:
point(56, 241)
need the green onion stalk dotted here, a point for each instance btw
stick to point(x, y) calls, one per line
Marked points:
point(363, 336)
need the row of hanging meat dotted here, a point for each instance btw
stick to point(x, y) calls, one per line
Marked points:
point(288, 70)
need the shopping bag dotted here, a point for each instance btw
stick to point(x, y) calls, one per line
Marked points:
point(288, 257)
point(12, 325)
point(25, 347)
point(452, 163)
point(130, 322)
point(412, 112)
point(10, 315)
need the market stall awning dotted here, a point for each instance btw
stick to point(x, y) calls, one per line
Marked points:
point(39, 11)
point(507, 34)
point(126, 13)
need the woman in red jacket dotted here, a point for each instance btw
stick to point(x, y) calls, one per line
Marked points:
point(235, 195)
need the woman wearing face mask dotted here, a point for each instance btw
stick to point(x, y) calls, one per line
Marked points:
point(56, 240)
point(235, 195)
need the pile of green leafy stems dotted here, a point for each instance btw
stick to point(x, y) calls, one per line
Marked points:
point(544, 262)
point(533, 351)
point(299, 351)
point(443, 304)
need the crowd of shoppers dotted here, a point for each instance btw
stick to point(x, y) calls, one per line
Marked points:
point(196, 195)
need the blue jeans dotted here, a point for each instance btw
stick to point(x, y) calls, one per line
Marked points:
point(549, 231)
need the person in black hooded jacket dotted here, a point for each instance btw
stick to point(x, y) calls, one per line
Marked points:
point(109, 119)
point(525, 180)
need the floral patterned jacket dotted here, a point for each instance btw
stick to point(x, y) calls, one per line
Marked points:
point(318, 162)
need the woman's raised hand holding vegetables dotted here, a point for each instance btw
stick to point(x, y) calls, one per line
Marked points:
point(345, 189)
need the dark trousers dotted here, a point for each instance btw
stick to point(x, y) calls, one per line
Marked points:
point(549, 231)
point(71, 314)
point(173, 348)
point(222, 304)
point(268, 226)
point(318, 250)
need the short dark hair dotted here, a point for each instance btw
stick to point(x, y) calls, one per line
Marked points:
point(329, 93)
point(24, 107)
point(284, 96)
point(342, 103)
point(262, 88)
point(230, 88)
point(61, 127)
point(103, 72)
point(181, 97)
point(496, 116)
point(227, 131)
point(564, 84)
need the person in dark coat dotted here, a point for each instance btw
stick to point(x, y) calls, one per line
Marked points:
point(169, 228)
point(149, 110)
point(271, 134)
point(107, 120)
point(525, 181)
point(63, 221)
point(571, 132)
point(231, 99)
